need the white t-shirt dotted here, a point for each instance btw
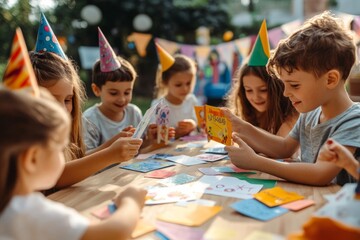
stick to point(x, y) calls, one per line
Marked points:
point(98, 128)
point(185, 110)
point(35, 217)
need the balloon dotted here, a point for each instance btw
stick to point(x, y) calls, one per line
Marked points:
point(92, 14)
point(228, 35)
point(142, 22)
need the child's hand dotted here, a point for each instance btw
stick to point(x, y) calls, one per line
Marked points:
point(129, 129)
point(134, 193)
point(185, 127)
point(336, 153)
point(241, 156)
point(124, 149)
point(236, 122)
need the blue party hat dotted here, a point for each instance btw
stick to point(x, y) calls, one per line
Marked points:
point(46, 39)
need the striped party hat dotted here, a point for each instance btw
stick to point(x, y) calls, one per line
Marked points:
point(19, 73)
point(166, 60)
point(108, 59)
point(46, 39)
point(261, 51)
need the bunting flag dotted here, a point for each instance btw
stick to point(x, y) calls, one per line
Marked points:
point(108, 59)
point(169, 46)
point(261, 50)
point(46, 39)
point(166, 60)
point(141, 41)
point(19, 74)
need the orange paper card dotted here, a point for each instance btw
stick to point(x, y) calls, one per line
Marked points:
point(276, 196)
point(192, 215)
point(142, 228)
point(218, 127)
point(200, 115)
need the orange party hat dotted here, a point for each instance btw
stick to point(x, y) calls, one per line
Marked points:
point(19, 73)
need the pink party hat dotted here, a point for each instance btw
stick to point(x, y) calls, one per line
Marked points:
point(108, 60)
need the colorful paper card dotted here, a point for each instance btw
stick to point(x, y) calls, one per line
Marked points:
point(267, 183)
point(255, 209)
point(141, 127)
point(209, 157)
point(161, 155)
point(162, 121)
point(105, 211)
point(299, 204)
point(142, 227)
point(229, 187)
point(191, 215)
point(185, 160)
point(178, 232)
point(257, 235)
point(200, 115)
point(209, 171)
point(169, 195)
point(147, 165)
point(218, 127)
point(277, 196)
point(161, 173)
point(177, 179)
point(217, 150)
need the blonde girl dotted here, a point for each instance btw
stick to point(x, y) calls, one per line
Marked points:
point(35, 133)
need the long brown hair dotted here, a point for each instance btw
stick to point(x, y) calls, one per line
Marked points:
point(279, 108)
point(50, 68)
point(26, 121)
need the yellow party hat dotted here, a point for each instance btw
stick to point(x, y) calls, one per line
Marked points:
point(166, 60)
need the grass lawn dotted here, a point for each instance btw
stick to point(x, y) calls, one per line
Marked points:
point(141, 102)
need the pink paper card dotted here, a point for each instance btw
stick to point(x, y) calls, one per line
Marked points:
point(160, 174)
point(102, 213)
point(298, 205)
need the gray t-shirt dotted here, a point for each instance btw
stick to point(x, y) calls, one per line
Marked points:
point(344, 128)
point(98, 128)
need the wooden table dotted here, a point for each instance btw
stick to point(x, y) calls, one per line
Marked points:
point(98, 190)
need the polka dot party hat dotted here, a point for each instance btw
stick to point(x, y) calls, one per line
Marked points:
point(108, 60)
point(46, 39)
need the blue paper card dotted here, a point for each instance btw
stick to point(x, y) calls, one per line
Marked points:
point(178, 179)
point(257, 210)
point(216, 150)
point(160, 156)
point(147, 165)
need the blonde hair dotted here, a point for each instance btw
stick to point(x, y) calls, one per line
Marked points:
point(182, 64)
point(26, 121)
point(50, 68)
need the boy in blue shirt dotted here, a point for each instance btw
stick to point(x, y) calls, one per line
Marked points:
point(313, 63)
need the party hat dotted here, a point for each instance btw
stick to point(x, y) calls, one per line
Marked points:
point(19, 73)
point(166, 60)
point(46, 39)
point(108, 59)
point(261, 51)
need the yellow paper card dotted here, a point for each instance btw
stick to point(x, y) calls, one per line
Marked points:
point(192, 215)
point(218, 127)
point(200, 115)
point(142, 228)
point(276, 196)
point(256, 235)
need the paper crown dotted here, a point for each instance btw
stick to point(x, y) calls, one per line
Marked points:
point(46, 39)
point(260, 53)
point(166, 60)
point(108, 59)
point(19, 74)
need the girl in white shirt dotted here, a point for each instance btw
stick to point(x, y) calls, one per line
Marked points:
point(35, 132)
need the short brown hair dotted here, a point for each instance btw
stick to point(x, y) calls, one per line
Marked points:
point(126, 73)
point(320, 45)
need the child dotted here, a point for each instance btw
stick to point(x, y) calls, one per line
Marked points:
point(258, 98)
point(113, 81)
point(316, 89)
point(59, 76)
point(174, 86)
point(35, 132)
